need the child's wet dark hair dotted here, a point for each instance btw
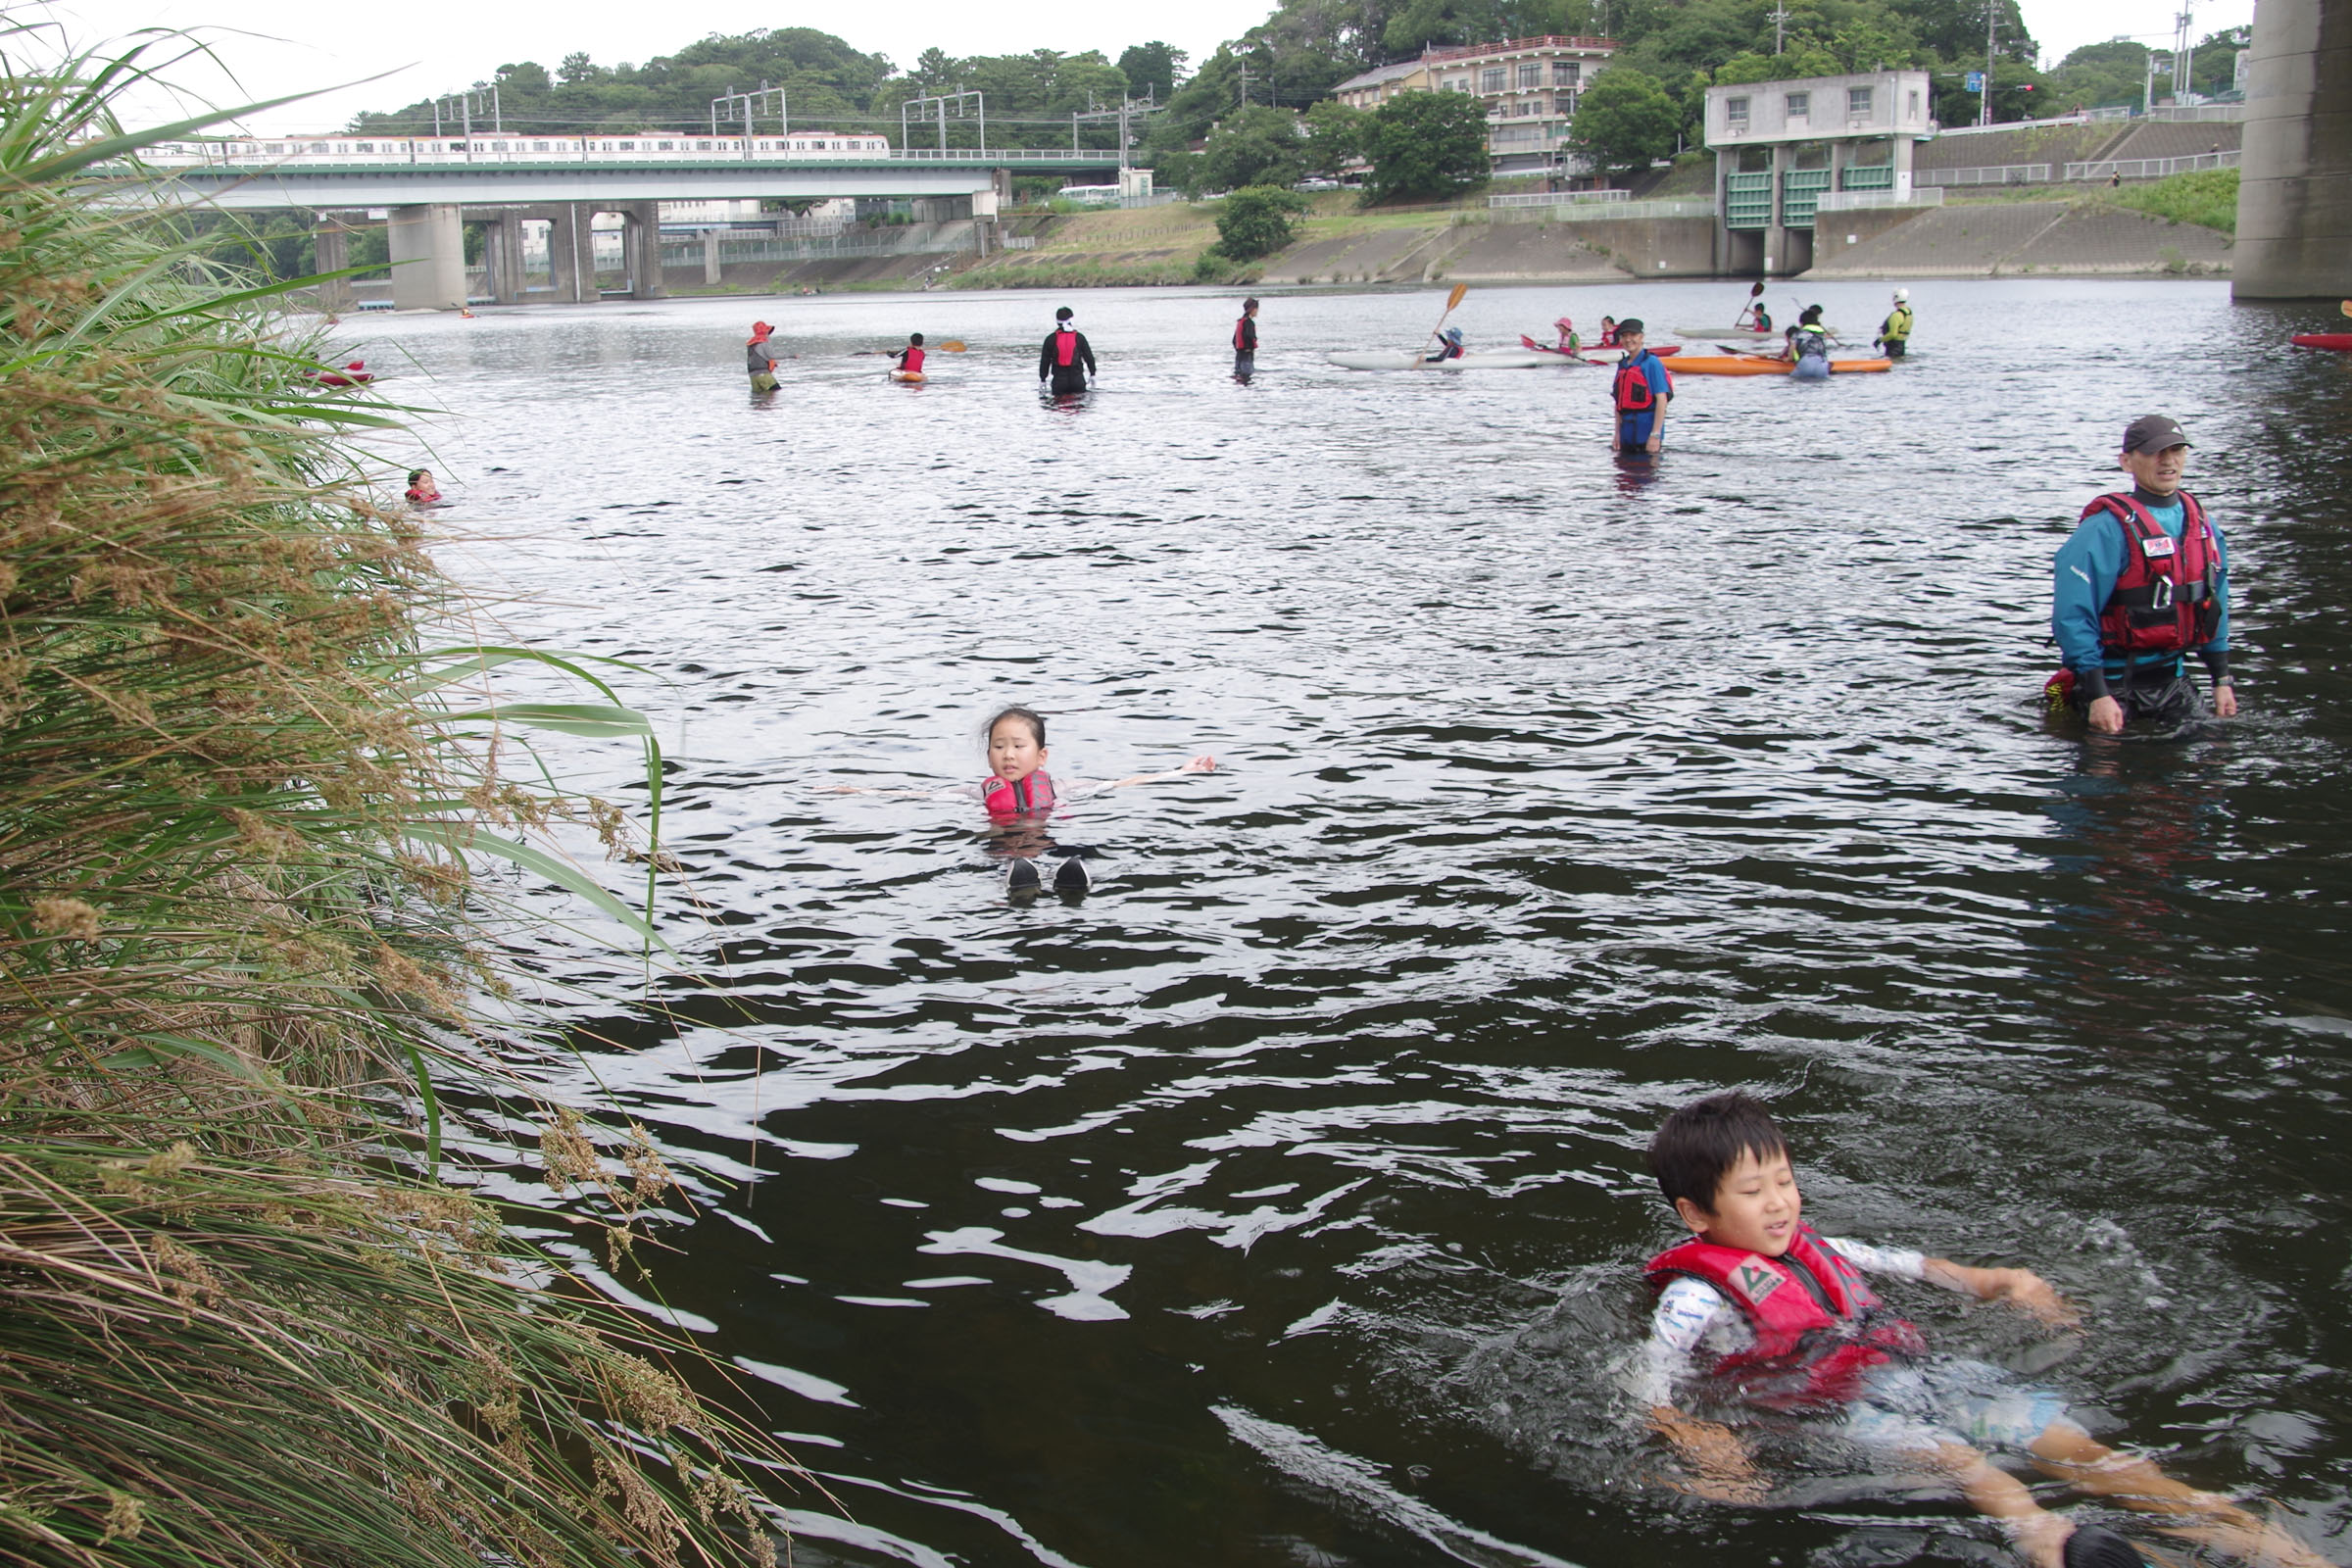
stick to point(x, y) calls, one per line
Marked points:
point(1027, 715)
point(1696, 1145)
point(416, 475)
point(915, 338)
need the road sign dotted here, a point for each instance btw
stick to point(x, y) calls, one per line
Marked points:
point(1975, 81)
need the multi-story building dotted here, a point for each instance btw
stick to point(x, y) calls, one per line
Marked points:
point(1529, 88)
point(1782, 148)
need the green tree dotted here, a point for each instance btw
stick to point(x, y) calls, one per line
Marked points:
point(1805, 60)
point(1335, 136)
point(1253, 146)
point(578, 68)
point(1426, 146)
point(1153, 68)
point(1258, 221)
point(1624, 119)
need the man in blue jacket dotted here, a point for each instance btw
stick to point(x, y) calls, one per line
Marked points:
point(1638, 394)
point(2145, 579)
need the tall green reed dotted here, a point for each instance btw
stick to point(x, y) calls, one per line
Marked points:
point(248, 1312)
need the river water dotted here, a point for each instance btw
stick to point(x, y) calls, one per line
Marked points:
point(1282, 1202)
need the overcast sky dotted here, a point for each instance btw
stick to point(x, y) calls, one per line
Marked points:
point(278, 47)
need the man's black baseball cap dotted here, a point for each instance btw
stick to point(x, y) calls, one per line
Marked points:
point(2154, 432)
point(1632, 323)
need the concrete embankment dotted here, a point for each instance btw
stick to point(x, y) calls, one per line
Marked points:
point(2085, 238)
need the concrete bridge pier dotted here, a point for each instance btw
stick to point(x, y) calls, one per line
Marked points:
point(333, 254)
point(429, 257)
point(502, 249)
point(711, 256)
point(2294, 193)
point(640, 248)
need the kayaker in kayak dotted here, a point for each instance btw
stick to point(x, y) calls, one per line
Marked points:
point(1068, 358)
point(1449, 347)
point(1638, 394)
point(1894, 333)
point(1609, 333)
point(2145, 579)
point(910, 358)
point(1570, 343)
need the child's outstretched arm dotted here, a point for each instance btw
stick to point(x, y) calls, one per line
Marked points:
point(1198, 765)
point(2020, 1287)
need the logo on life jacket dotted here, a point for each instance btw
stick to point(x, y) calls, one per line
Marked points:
point(1633, 393)
point(1754, 1281)
point(1065, 346)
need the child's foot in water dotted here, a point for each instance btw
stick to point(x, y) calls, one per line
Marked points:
point(1073, 877)
point(1021, 879)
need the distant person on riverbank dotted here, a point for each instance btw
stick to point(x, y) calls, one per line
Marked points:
point(1245, 342)
point(1759, 1308)
point(1894, 333)
point(759, 357)
point(2145, 579)
point(423, 491)
point(1068, 358)
point(910, 358)
point(1639, 393)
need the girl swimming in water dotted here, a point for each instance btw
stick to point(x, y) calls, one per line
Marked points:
point(1018, 792)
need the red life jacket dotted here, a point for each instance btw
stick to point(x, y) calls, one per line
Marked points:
point(1245, 336)
point(2168, 596)
point(1065, 346)
point(1633, 392)
point(912, 362)
point(1818, 1325)
point(1018, 796)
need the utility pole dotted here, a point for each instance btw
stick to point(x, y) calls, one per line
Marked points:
point(2185, 59)
point(766, 100)
point(1992, 19)
point(1780, 24)
point(1245, 84)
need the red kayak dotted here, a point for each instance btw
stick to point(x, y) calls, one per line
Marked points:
point(2342, 342)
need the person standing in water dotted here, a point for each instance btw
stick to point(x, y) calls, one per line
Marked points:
point(1894, 333)
point(1638, 394)
point(1809, 346)
point(1068, 358)
point(759, 357)
point(2145, 579)
point(1245, 342)
point(910, 358)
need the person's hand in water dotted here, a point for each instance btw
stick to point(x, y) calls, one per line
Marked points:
point(1725, 1472)
point(2020, 1287)
point(1198, 765)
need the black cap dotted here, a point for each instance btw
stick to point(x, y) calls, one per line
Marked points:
point(1063, 314)
point(1632, 323)
point(2154, 432)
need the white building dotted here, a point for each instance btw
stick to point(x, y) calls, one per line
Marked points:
point(1530, 86)
point(1782, 146)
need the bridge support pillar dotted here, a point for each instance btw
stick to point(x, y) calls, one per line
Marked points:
point(333, 254)
point(570, 253)
point(641, 249)
point(2294, 194)
point(429, 257)
point(503, 250)
point(711, 274)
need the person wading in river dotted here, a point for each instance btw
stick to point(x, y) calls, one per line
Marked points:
point(1638, 394)
point(1068, 358)
point(2145, 579)
point(1245, 342)
point(1894, 333)
point(759, 357)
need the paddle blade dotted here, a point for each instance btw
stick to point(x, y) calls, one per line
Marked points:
point(1756, 289)
point(1455, 298)
point(953, 345)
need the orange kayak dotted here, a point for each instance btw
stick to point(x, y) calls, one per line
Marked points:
point(1742, 364)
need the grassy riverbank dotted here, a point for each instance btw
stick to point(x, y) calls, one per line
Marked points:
point(251, 1310)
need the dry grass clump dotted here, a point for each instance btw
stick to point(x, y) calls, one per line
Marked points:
point(241, 1321)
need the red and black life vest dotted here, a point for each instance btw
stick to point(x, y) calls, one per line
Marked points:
point(1818, 1325)
point(1065, 346)
point(1245, 336)
point(910, 360)
point(1633, 393)
point(2167, 595)
point(1018, 796)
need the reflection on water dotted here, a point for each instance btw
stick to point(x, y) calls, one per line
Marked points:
point(1281, 1202)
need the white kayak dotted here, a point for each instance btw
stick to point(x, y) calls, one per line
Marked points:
point(1512, 359)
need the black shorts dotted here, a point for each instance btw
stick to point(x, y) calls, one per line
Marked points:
point(2165, 702)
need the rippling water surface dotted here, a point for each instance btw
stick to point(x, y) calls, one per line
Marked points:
point(1282, 1202)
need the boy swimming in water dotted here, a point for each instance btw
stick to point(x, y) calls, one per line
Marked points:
point(422, 492)
point(1783, 1317)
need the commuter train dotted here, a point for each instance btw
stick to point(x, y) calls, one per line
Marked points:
point(495, 147)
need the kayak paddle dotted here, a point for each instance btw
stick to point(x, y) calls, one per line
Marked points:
point(953, 345)
point(1421, 357)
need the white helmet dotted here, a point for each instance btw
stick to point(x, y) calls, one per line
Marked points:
point(1902, 296)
